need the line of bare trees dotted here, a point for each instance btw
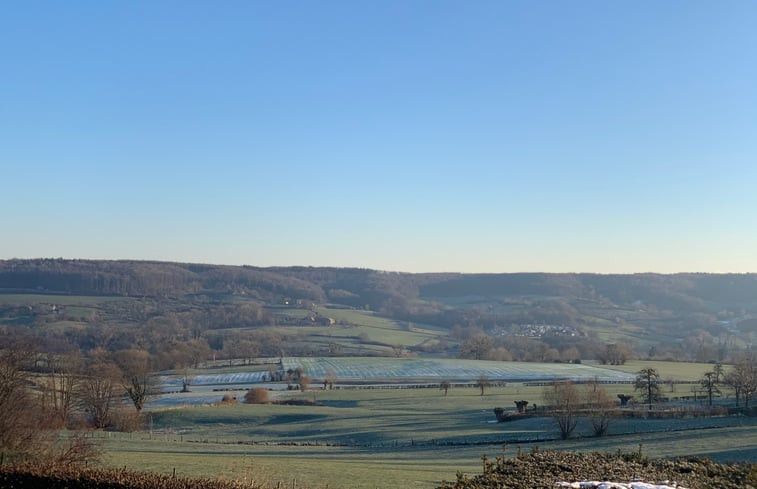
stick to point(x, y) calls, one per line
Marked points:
point(34, 405)
point(742, 378)
point(43, 392)
point(567, 402)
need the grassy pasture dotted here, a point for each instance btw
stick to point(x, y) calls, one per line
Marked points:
point(309, 466)
point(389, 438)
point(59, 299)
point(75, 306)
point(381, 418)
point(419, 466)
point(356, 331)
point(677, 371)
point(393, 437)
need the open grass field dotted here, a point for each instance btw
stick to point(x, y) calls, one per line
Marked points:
point(421, 467)
point(677, 371)
point(59, 299)
point(389, 438)
point(332, 467)
point(357, 330)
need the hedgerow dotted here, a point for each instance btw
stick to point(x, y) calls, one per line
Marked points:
point(542, 470)
point(76, 477)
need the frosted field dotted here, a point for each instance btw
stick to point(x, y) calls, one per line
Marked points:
point(412, 370)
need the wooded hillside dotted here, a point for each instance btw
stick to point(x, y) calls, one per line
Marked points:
point(361, 287)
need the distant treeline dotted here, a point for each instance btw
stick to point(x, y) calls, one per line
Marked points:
point(398, 293)
point(690, 291)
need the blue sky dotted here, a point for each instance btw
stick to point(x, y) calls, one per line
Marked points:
point(582, 136)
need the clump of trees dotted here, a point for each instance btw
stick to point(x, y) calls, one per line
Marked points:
point(567, 402)
point(28, 420)
point(615, 354)
point(600, 407)
point(742, 377)
point(563, 401)
point(20, 420)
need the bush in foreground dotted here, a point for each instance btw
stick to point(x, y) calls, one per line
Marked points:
point(542, 470)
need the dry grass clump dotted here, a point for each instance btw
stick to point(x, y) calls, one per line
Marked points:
point(541, 470)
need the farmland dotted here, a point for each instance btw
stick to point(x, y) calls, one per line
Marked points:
point(388, 342)
point(386, 438)
point(393, 370)
point(360, 437)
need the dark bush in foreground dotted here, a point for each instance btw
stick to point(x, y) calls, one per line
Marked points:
point(73, 477)
point(542, 470)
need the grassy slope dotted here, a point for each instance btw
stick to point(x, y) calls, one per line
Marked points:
point(359, 331)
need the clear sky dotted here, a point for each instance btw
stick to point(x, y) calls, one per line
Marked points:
point(486, 136)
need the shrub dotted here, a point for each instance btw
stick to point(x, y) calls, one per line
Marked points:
point(228, 399)
point(126, 420)
point(257, 395)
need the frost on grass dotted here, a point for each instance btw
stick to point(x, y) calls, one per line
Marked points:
point(615, 485)
point(433, 369)
point(552, 469)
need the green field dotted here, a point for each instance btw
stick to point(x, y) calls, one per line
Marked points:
point(59, 299)
point(390, 468)
point(358, 331)
point(389, 438)
point(677, 371)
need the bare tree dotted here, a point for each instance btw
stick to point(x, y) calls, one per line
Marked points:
point(709, 385)
point(648, 382)
point(62, 383)
point(718, 371)
point(483, 383)
point(21, 428)
point(600, 407)
point(98, 391)
point(330, 379)
point(24, 433)
point(138, 389)
point(563, 402)
point(186, 380)
point(136, 379)
point(742, 378)
point(77, 449)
